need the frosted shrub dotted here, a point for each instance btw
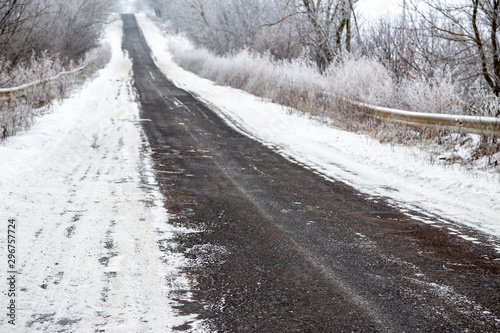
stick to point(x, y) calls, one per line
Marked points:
point(483, 102)
point(300, 85)
point(15, 116)
point(361, 79)
point(231, 70)
point(184, 53)
point(96, 58)
point(263, 69)
point(437, 95)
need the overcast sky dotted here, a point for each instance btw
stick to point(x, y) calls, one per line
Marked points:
point(372, 9)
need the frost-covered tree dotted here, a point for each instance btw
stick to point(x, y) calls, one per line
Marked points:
point(68, 28)
point(285, 28)
point(11, 13)
point(405, 47)
point(80, 23)
point(220, 25)
point(472, 27)
point(14, 16)
point(326, 27)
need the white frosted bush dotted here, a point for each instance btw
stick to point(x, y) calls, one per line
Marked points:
point(260, 82)
point(483, 102)
point(97, 58)
point(284, 82)
point(235, 69)
point(437, 95)
point(361, 79)
point(299, 85)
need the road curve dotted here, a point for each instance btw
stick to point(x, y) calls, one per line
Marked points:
point(279, 248)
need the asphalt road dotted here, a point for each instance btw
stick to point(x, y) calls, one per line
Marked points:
point(279, 248)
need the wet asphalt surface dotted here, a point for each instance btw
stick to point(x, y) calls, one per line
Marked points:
point(279, 248)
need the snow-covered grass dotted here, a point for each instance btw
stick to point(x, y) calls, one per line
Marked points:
point(404, 173)
point(93, 243)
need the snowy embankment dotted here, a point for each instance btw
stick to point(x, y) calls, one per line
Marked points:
point(401, 173)
point(92, 239)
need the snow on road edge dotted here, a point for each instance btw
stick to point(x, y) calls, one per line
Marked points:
point(402, 173)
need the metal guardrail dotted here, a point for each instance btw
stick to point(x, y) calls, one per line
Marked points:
point(15, 92)
point(487, 126)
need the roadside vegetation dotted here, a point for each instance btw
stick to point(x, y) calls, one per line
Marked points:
point(40, 39)
point(315, 56)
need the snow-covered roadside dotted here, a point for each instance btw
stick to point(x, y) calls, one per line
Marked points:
point(380, 170)
point(92, 244)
